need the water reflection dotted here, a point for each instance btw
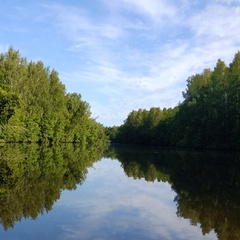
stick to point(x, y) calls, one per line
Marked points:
point(131, 193)
point(32, 178)
point(207, 184)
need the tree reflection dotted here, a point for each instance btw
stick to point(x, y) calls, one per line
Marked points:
point(209, 192)
point(207, 184)
point(144, 163)
point(32, 177)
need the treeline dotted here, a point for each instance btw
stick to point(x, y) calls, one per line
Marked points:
point(209, 116)
point(32, 177)
point(35, 107)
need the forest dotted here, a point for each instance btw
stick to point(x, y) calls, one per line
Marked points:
point(207, 118)
point(35, 107)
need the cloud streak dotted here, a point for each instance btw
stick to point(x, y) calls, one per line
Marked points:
point(122, 207)
point(149, 62)
point(125, 54)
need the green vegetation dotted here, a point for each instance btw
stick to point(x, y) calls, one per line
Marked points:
point(32, 177)
point(34, 106)
point(208, 118)
point(206, 183)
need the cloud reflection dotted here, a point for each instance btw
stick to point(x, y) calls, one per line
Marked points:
point(112, 206)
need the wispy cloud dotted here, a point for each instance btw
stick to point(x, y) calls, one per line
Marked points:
point(78, 26)
point(217, 22)
point(135, 60)
point(153, 9)
point(124, 51)
point(132, 208)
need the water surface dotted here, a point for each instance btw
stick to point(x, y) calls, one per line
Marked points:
point(128, 193)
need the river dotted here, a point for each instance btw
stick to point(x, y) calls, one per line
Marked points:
point(66, 192)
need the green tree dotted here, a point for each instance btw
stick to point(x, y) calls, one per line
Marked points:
point(34, 105)
point(233, 98)
point(78, 114)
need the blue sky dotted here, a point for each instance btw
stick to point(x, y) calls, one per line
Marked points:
point(122, 55)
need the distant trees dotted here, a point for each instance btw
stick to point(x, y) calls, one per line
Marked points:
point(34, 106)
point(209, 116)
point(146, 127)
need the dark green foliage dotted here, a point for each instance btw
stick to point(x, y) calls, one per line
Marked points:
point(147, 127)
point(34, 106)
point(33, 176)
point(209, 116)
point(8, 101)
point(206, 183)
point(112, 133)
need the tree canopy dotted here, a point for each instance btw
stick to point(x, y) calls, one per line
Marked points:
point(35, 107)
point(208, 117)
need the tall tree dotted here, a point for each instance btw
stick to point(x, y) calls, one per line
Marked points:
point(35, 107)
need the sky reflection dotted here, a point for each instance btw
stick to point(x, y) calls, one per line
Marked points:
point(109, 205)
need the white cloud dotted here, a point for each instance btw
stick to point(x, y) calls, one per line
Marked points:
point(136, 53)
point(130, 62)
point(153, 9)
point(78, 26)
point(229, 1)
point(217, 22)
point(143, 209)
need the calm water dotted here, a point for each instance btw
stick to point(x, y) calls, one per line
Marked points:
point(70, 193)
